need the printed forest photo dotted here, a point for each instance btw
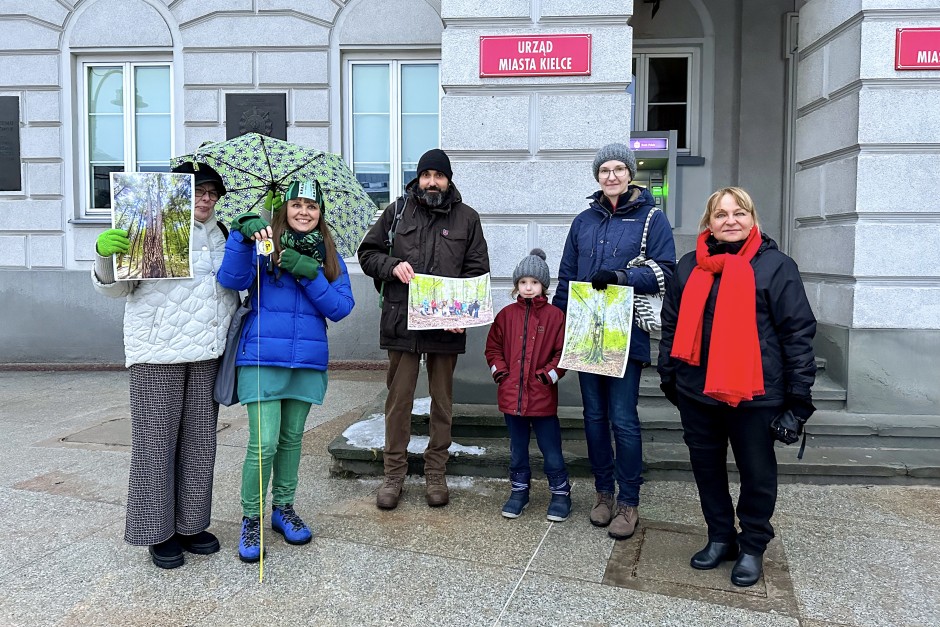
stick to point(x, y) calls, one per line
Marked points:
point(156, 210)
point(597, 329)
point(436, 302)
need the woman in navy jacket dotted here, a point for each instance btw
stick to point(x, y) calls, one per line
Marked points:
point(283, 352)
point(603, 240)
point(737, 359)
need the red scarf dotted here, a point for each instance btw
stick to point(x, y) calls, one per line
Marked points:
point(734, 372)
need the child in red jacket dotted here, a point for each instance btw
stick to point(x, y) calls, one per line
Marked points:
point(522, 350)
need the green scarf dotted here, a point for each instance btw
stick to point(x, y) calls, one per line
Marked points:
point(310, 244)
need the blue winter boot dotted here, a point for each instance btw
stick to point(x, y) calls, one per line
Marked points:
point(249, 546)
point(286, 522)
point(519, 497)
point(559, 508)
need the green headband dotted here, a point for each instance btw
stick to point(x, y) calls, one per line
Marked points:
point(305, 189)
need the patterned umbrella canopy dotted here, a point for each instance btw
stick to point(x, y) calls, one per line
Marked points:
point(253, 164)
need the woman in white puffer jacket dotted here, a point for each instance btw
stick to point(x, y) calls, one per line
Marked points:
point(174, 333)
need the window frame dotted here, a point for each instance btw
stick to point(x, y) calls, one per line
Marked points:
point(128, 64)
point(642, 55)
point(395, 61)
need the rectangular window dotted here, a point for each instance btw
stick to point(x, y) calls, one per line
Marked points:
point(665, 96)
point(393, 117)
point(128, 124)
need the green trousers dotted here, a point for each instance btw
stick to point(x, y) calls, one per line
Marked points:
point(281, 430)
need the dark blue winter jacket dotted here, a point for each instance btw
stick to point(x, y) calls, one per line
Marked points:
point(293, 311)
point(603, 240)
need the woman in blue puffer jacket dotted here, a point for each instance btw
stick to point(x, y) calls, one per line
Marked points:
point(603, 240)
point(282, 353)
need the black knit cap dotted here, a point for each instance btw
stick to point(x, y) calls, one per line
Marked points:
point(435, 159)
point(202, 173)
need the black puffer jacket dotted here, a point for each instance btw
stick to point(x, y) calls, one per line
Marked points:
point(785, 326)
point(444, 241)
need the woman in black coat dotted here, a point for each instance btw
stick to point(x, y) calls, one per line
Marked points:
point(736, 357)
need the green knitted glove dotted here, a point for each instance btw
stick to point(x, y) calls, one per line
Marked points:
point(299, 265)
point(273, 202)
point(248, 224)
point(112, 241)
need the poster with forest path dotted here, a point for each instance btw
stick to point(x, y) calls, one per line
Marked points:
point(156, 210)
point(436, 302)
point(598, 326)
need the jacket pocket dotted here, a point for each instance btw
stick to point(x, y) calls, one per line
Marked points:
point(452, 247)
point(155, 326)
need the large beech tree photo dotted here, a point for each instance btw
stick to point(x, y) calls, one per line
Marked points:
point(155, 209)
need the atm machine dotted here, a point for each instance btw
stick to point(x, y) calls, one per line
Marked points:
point(656, 167)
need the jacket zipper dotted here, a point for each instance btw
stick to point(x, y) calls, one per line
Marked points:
point(525, 337)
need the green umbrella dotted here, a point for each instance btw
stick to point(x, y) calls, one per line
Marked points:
point(251, 165)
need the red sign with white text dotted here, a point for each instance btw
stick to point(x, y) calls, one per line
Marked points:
point(917, 49)
point(535, 55)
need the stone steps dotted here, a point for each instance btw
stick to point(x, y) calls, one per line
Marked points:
point(670, 460)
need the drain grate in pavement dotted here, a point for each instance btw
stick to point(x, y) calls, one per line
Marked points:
point(656, 559)
point(107, 435)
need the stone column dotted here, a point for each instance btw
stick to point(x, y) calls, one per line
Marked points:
point(522, 147)
point(867, 211)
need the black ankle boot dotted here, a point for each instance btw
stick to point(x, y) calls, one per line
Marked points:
point(167, 554)
point(202, 543)
point(747, 570)
point(714, 554)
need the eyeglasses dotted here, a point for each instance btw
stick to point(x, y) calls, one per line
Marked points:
point(212, 194)
point(619, 171)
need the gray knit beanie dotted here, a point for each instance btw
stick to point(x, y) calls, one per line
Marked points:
point(534, 266)
point(615, 152)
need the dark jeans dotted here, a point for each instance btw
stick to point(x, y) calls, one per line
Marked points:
point(548, 435)
point(610, 405)
point(708, 429)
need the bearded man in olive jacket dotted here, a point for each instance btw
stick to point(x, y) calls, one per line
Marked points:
point(429, 230)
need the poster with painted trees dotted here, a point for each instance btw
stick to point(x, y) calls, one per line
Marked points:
point(597, 329)
point(436, 302)
point(156, 210)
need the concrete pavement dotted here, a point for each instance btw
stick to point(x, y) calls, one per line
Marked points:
point(844, 555)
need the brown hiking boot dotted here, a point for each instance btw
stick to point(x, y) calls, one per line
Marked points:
point(437, 493)
point(390, 492)
point(624, 523)
point(602, 511)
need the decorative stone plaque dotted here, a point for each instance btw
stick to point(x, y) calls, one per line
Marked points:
point(10, 180)
point(256, 113)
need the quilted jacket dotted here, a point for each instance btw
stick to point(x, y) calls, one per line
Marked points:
point(525, 340)
point(287, 323)
point(171, 321)
point(601, 239)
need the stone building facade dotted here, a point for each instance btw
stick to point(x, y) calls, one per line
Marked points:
point(797, 101)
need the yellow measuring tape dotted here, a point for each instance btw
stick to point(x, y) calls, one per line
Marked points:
point(260, 461)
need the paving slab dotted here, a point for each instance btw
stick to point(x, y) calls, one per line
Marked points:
point(861, 574)
point(539, 597)
point(349, 583)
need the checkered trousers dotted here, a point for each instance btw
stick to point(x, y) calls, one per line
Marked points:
point(173, 439)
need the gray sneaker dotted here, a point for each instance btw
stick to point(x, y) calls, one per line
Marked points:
point(390, 492)
point(624, 522)
point(602, 511)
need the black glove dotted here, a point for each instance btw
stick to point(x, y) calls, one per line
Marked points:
point(801, 406)
point(543, 378)
point(603, 278)
point(499, 375)
point(787, 427)
point(670, 392)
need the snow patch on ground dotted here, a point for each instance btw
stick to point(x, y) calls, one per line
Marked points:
point(421, 406)
point(370, 434)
